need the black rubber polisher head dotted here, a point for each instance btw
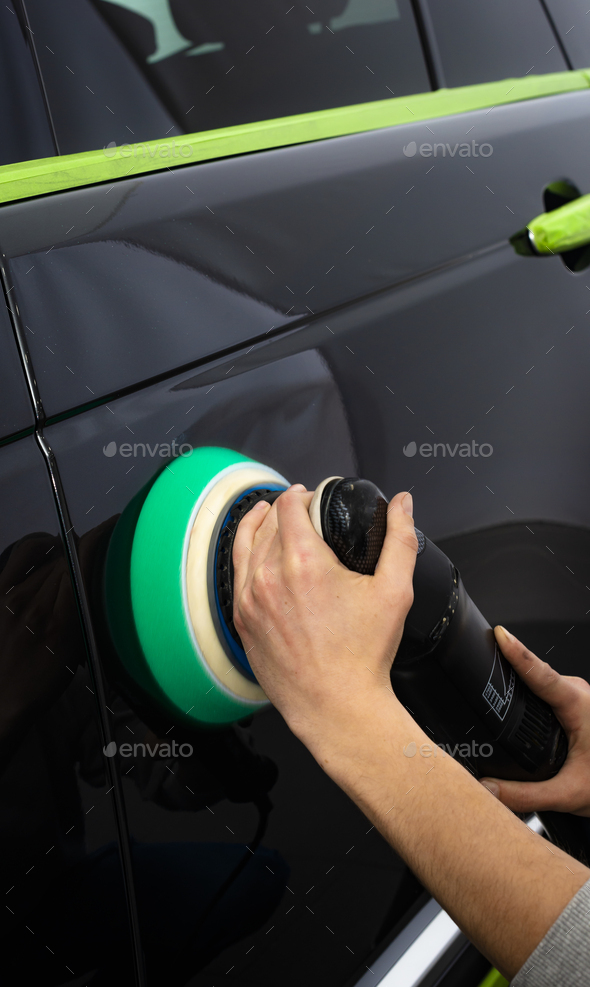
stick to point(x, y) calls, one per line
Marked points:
point(353, 515)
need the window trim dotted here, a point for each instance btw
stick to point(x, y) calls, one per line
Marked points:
point(28, 179)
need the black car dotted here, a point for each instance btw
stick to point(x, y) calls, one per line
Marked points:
point(304, 235)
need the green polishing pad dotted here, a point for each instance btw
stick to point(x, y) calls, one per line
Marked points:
point(159, 597)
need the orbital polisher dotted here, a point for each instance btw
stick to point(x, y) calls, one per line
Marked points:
point(169, 600)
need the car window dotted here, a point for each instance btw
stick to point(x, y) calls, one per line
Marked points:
point(131, 70)
point(485, 40)
point(97, 94)
point(24, 126)
point(572, 21)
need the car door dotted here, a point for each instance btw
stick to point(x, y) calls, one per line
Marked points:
point(345, 305)
point(169, 822)
point(62, 873)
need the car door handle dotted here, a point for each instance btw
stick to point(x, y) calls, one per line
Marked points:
point(556, 232)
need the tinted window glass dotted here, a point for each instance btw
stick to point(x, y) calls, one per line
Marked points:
point(483, 40)
point(96, 92)
point(572, 20)
point(24, 128)
point(136, 69)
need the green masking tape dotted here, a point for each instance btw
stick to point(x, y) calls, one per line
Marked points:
point(562, 229)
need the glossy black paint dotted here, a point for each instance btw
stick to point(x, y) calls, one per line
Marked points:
point(493, 353)
point(56, 803)
point(16, 409)
point(134, 280)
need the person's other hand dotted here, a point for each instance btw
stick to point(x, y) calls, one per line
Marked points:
point(320, 638)
point(569, 790)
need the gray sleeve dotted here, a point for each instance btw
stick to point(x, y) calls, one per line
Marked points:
point(563, 956)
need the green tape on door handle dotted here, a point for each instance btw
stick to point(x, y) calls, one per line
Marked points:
point(562, 229)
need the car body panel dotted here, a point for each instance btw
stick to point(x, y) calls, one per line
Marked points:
point(56, 800)
point(200, 272)
point(16, 409)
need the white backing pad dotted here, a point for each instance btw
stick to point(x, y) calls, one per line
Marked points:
point(314, 507)
point(229, 488)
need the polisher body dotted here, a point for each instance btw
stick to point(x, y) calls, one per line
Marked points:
point(449, 671)
point(451, 674)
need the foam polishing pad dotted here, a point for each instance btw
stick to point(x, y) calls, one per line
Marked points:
point(161, 587)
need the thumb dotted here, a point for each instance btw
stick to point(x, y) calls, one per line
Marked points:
point(557, 690)
point(398, 555)
point(531, 796)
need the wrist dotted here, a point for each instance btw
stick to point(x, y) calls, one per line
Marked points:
point(354, 741)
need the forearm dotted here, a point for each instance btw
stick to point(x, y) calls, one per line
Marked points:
point(501, 883)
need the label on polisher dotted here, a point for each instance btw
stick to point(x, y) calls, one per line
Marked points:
point(499, 689)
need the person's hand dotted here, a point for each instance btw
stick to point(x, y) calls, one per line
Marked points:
point(569, 790)
point(320, 638)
